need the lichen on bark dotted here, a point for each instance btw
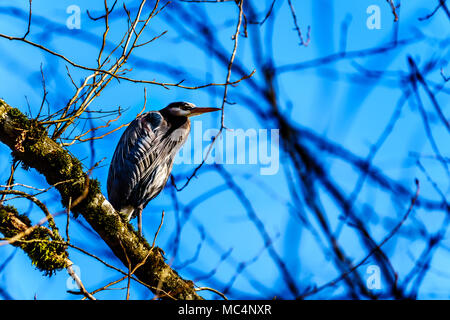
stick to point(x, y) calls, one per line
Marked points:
point(47, 255)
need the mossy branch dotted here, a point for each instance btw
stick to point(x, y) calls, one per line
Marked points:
point(46, 255)
point(30, 144)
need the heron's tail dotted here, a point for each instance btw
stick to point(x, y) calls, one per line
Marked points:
point(129, 212)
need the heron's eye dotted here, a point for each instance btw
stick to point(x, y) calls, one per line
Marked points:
point(186, 107)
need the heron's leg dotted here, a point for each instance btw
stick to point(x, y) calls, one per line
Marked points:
point(139, 216)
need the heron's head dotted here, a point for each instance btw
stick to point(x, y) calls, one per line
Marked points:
point(186, 109)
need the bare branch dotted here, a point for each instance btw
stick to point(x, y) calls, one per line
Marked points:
point(299, 32)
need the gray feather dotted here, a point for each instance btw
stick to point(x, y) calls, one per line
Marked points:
point(143, 160)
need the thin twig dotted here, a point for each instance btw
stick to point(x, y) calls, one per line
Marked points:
point(224, 98)
point(157, 231)
point(393, 8)
point(29, 21)
point(105, 16)
point(212, 290)
point(299, 32)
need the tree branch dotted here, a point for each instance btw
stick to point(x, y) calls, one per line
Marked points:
point(30, 143)
point(47, 255)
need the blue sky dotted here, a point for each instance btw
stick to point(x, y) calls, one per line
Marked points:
point(325, 100)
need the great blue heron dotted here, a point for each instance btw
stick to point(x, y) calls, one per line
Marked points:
point(144, 156)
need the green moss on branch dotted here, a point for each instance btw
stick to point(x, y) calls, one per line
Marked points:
point(46, 255)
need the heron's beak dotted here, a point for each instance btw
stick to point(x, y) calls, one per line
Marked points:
point(197, 111)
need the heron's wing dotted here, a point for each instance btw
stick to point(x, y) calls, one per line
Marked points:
point(156, 164)
point(154, 174)
point(134, 154)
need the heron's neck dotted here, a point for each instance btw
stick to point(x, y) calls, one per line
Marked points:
point(174, 121)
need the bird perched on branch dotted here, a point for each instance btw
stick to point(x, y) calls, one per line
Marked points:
point(144, 156)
